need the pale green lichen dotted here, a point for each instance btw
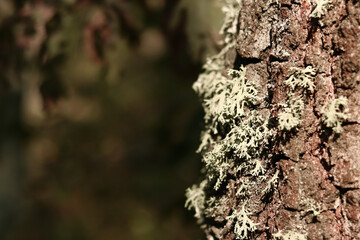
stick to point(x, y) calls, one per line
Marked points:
point(301, 80)
point(313, 207)
point(229, 103)
point(249, 137)
point(258, 169)
point(335, 113)
point(272, 182)
point(206, 141)
point(243, 225)
point(288, 120)
point(196, 199)
point(320, 8)
point(236, 135)
point(246, 140)
point(290, 117)
point(231, 11)
point(216, 165)
point(290, 235)
point(226, 99)
point(242, 191)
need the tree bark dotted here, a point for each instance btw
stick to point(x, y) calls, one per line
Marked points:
point(310, 185)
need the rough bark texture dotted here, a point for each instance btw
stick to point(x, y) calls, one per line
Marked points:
point(317, 195)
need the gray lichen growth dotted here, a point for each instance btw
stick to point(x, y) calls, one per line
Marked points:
point(289, 236)
point(231, 11)
point(243, 224)
point(320, 8)
point(335, 113)
point(237, 142)
point(237, 134)
point(228, 98)
point(196, 199)
point(290, 117)
point(301, 80)
point(248, 135)
point(272, 182)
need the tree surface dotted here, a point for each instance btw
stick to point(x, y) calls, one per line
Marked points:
point(281, 144)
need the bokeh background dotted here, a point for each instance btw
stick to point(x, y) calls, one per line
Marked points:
point(98, 121)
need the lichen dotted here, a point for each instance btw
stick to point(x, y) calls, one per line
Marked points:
point(335, 113)
point(249, 137)
point(300, 80)
point(313, 207)
point(243, 225)
point(289, 235)
point(272, 182)
point(237, 142)
point(320, 8)
point(225, 99)
point(290, 116)
point(231, 11)
point(258, 169)
point(236, 135)
point(206, 141)
point(196, 199)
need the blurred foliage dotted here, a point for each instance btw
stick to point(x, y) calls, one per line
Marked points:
point(98, 121)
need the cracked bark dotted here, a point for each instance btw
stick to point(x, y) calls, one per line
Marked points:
point(319, 170)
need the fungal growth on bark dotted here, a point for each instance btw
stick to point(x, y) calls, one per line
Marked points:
point(272, 168)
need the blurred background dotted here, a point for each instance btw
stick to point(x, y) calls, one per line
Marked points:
point(98, 121)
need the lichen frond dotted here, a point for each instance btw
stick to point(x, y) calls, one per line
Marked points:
point(216, 165)
point(303, 78)
point(244, 187)
point(272, 182)
point(226, 99)
point(206, 142)
point(258, 168)
point(290, 116)
point(244, 225)
point(290, 235)
point(335, 113)
point(249, 137)
point(231, 12)
point(196, 199)
point(320, 8)
point(242, 93)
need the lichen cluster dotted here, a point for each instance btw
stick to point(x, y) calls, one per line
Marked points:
point(320, 8)
point(237, 134)
point(300, 81)
point(237, 141)
point(335, 113)
point(289, 236)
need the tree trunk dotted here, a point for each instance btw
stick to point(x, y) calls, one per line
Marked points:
point(281, 146)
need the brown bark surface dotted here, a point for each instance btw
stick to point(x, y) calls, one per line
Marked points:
point(318, 192)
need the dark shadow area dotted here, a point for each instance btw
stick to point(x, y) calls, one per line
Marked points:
point(99, 123)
